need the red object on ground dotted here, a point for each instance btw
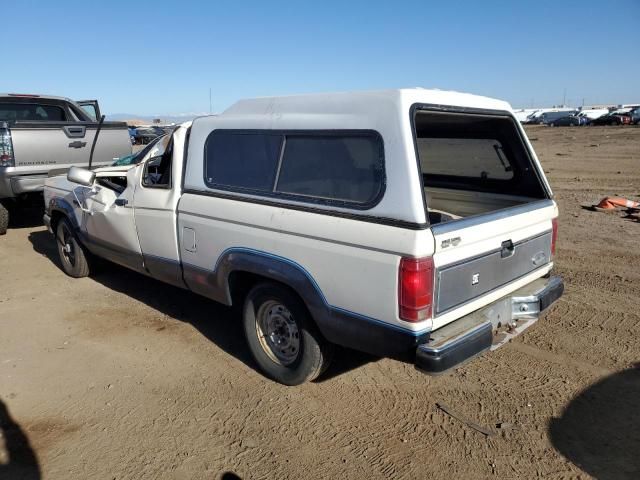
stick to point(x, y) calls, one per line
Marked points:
point(609, 203)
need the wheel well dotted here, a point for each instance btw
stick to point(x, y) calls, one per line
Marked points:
point(56, 216)
point(241, 282)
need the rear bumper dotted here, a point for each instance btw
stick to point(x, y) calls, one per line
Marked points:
point(488, 328)
point(12, 184)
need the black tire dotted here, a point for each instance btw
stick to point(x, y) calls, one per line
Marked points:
point(303, 354)
point(71, 252)
point(4, 219)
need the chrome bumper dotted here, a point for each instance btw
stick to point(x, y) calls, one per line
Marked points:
point(488, 328)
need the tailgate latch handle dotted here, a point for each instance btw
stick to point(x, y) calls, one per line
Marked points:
point(507, 249)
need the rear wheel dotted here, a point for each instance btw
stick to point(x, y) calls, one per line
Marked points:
point(282, 337)
point(4, 219)
point(72, 254)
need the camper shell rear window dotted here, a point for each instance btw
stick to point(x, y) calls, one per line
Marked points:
point(471, 151)
point(336, 167)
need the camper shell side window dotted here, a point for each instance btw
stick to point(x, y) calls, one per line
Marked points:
point(338, 167)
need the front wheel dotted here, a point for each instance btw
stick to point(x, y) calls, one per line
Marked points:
point(282, 337)
point(72, 254)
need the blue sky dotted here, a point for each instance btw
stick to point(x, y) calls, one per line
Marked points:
point(161, 57)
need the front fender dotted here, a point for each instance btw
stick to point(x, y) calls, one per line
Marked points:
point(62, 206)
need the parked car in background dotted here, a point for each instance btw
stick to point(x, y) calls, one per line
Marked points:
point(144, 135)
point(132, 135)
point(620, 116)
point(154, 148)
point(593, 113)
point(523, 114)
point(539, 116)
point(41, 133)
point(575, 120)
point(534, 117)
point(333, 219)
point(169, 128)
point(635, 116)
point(548, 118)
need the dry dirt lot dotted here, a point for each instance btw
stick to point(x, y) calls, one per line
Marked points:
point(119, 376)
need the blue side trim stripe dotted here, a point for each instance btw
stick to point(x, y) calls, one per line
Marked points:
point(317, 287)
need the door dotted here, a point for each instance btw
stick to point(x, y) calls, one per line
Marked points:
point(109, 220)
point(155, 204)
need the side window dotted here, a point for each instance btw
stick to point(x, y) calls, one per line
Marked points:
point(333, 168)
point(90, 110)
point(336, 167)
point(29, 112)
point(115, 183)
point(157, 170)
point(242, 160)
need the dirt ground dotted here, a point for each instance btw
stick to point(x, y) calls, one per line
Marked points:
point(119, 376)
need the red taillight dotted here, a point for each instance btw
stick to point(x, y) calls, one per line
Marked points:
point(554, 235)
point(6, 146)
point(415, 288)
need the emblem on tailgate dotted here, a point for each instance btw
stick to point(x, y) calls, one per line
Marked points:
point(475, 278)
point(450, 241)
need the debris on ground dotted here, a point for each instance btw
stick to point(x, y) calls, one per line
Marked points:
point(479, 428)
point(616, 205)
point(611, 203)
point(505, 426)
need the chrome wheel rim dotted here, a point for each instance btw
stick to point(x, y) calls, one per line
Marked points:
point(278, 332)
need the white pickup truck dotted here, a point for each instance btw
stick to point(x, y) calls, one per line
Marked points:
point(413, 224)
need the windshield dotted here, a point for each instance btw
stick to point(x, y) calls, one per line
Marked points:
point(155, 148)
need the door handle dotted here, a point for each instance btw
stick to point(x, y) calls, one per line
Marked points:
point(77, 144)
point(121, 202)
point(74, 131)
point(507, 249)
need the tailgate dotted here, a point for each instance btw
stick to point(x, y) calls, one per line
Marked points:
point(39, 146)
point(480, 258)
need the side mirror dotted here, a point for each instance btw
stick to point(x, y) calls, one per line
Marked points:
point(81, 176)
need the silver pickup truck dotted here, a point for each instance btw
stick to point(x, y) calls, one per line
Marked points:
point(43, 133)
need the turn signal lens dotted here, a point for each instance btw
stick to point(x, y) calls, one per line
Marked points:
point(415, 288)
point(6, 146)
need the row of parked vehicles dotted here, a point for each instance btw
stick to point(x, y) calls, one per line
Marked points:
point(579, 117)
point(146, 134)
point(413, 224)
